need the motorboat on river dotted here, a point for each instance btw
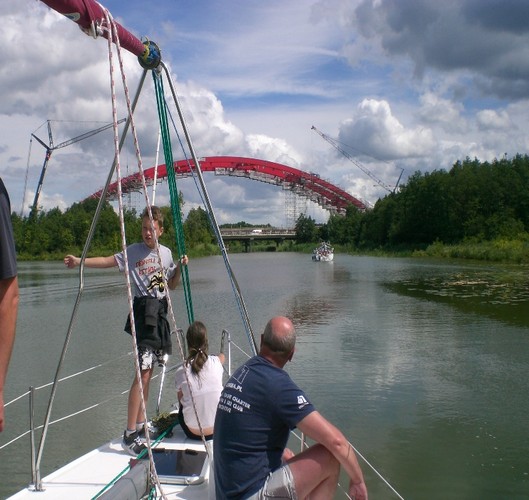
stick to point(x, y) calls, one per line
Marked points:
point(323, 253)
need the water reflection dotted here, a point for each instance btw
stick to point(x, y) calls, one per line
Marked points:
point(501, 294)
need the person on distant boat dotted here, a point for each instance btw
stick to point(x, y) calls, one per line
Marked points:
point(199, 384)
point(259, 406)
point(150, 313)
point(9, 293)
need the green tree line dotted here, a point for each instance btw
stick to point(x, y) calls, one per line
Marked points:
point(52, 234)
point(472, 203)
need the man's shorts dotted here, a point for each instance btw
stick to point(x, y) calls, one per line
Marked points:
point(149, 356)
point(279, 485)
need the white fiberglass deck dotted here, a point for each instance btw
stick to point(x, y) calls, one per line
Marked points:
point(87, 476)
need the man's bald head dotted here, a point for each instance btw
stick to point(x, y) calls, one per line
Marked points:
point(279, 338)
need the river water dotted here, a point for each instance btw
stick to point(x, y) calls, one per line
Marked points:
point(423, 364)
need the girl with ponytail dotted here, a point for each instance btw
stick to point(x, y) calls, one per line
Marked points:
point(199, 384)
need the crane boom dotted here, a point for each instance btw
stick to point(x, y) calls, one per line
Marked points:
point(86, 135)
point(49, 150)
point(336, 145)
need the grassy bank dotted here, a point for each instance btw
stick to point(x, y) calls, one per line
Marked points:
point(498, 250)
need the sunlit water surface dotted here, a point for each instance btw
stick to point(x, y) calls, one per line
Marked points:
point(424, 365)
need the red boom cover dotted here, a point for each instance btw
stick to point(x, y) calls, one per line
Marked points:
point(83, 12)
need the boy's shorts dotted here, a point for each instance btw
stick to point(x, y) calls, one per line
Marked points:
point(148, 356)
point(278, 485)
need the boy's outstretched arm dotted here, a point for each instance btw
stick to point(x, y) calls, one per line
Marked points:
point(70, 261)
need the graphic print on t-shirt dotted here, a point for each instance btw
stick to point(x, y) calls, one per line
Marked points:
point(228, 401)
point(149, 267)
point(156, 281)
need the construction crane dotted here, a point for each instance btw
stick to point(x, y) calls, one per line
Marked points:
point(50, 148)
point(337, 146)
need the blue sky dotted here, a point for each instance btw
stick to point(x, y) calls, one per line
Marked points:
point(408, 85)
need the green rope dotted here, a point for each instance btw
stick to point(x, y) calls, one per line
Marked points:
point(128, 467)
point(173, 191)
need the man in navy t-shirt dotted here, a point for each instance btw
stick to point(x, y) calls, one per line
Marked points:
point(259, 406)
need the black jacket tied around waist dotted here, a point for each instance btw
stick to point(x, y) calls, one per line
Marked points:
point(152, 327)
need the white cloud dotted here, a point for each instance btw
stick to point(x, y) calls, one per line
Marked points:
point(376, 132)
point(489, 119)
point(272, 149)
point(438, 110)
point(396, 81)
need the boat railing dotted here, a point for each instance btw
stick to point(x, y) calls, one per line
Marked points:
point(30, 394)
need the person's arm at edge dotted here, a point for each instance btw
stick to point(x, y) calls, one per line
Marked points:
point(221, 354)
point(70, 261)
point(9, 298)
point(318, 428)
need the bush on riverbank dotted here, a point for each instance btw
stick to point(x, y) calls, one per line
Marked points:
point(498, 250)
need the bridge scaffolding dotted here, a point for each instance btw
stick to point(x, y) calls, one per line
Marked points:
point(295, 205)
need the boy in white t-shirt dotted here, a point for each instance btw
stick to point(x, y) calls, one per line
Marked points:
point(150, 308)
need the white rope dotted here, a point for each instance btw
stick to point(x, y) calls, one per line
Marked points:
point(157, 246)
point(113, 35)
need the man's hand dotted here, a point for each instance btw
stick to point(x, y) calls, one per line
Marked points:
point(358, 491)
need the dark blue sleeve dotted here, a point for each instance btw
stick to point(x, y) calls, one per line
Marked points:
point(292, 403)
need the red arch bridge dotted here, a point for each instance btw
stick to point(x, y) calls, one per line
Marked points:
point(309, 185)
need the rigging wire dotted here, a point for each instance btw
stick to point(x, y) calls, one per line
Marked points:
point(73, 317)
point(26, 177)
point(155, 179)
point(215, 226)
